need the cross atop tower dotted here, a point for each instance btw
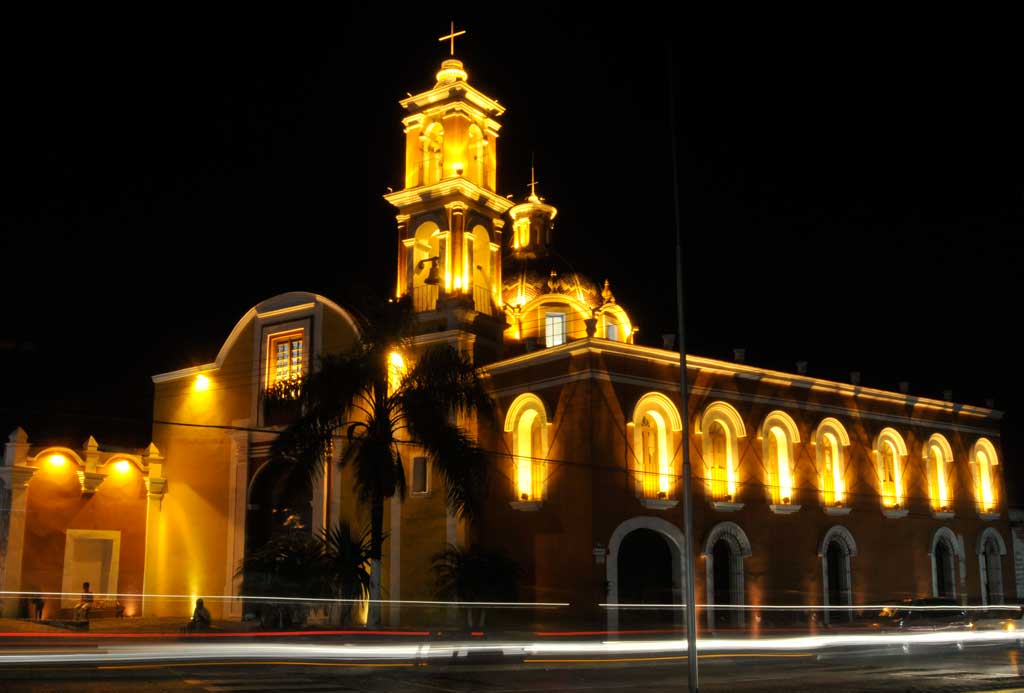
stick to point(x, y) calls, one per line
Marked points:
point(451, 36)
point(533, 180)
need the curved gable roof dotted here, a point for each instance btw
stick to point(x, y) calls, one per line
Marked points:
point(281, 303)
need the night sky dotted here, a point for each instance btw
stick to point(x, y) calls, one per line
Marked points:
point(852, 190)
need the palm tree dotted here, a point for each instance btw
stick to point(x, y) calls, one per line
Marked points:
point(298, 566)
point(378, 408)
point(475, 575)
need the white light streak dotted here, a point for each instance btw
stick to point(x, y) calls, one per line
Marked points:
point(209, 651)
point(215, 597)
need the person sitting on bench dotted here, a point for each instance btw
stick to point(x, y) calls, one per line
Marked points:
point(200, 618)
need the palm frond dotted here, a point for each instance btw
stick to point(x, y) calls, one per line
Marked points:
point(474, 575)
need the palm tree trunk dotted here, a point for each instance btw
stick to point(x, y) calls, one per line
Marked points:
point(376, 551)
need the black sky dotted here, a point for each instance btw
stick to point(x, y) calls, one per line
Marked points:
point(852, 191)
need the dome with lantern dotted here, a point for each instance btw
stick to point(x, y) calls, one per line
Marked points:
point(547, 301)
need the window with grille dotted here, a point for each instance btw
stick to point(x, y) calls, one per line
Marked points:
point(285, 357)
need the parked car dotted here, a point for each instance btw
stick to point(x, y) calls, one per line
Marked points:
point(927, 614)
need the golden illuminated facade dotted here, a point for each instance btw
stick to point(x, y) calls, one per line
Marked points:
point(450, 219)
point(806, 491)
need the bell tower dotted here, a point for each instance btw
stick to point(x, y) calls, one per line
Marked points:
point(449, 216)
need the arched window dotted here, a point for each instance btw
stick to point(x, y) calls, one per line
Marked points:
point(719, 462)
point(476, 150)
point(433, 154)
point(890, 450)
point(527, 421)
point(721, 428)
point(831, 441)
point(656, 434)
point(426, 265)
point(938, 456)
point(779, 433)
point(983, 460)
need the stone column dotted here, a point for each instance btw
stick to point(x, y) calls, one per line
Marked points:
point(15, 475)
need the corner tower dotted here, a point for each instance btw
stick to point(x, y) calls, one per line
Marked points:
point(449, 216)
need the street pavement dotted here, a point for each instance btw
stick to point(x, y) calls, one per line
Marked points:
point(974, 668)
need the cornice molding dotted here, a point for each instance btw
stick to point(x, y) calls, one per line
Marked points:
point(456, 185)
point(700, 363)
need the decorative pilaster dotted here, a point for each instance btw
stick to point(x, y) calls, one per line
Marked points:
point(156, 487)
point(237, 487)
point(15, 477)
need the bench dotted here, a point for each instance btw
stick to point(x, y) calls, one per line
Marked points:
point(99, 609)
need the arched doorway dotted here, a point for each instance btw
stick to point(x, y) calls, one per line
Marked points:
point(947, 564)
point(723, 560)
point(276, 502)
point(991, 549)
point(836, 550)
point(621, 586)
point(834, 559)
point(645, 577)
point(944, 572)
point(724, 550)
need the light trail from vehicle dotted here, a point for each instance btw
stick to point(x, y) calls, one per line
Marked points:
point(516, 651)
point(821, 607)
point(304, 600)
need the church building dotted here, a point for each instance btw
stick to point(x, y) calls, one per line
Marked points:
point(807, 492)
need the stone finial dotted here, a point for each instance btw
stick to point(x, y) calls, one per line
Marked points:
point(739, 355)
point(801, 367)
point(16, 448)
point(606, 292)
point(91, 445)
point(855, 377)
point(668, 341)
point(152, 452)
point(947, 395)
point(904, 386)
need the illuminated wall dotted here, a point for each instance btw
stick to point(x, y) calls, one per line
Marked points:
point(57, 503)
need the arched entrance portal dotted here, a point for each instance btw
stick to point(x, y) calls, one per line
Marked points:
point(836, 549)
point(947, 556)
point(645, 577)
point(663, 586)
point(724, 550)
point(275, 502)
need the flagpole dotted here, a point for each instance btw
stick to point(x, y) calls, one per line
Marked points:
point(690, 609)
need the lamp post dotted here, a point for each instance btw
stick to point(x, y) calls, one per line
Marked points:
point(690, 606)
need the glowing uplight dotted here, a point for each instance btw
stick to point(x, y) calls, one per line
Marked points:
point(396, 371)
point(57, 460)
point(202, 383)
point(122, 466)
point(987, 496)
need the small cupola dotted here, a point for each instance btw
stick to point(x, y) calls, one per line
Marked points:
point(533, 224)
